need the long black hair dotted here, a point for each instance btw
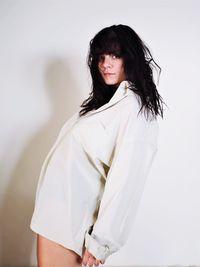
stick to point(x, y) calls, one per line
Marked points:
point(124, 42)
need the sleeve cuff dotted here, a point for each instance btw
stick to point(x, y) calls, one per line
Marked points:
point(98, 248)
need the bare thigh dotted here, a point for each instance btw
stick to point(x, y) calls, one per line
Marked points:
point(51, 254)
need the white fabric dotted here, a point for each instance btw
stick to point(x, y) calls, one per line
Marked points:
point(92, 179)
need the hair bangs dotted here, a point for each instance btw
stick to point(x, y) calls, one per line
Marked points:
point(109, 47)
point(107, 43)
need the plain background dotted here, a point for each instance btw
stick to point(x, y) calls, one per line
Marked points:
point(43, 81)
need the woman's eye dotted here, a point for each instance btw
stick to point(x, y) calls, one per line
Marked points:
point(101, 58)
point(114, 56)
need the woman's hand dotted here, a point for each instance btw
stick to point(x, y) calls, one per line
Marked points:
point(89, 259)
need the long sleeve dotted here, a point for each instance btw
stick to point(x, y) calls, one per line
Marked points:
point(135, 150)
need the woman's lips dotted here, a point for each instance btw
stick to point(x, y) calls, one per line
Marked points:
point(108, 74)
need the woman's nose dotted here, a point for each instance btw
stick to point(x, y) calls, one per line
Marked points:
point(106, 63)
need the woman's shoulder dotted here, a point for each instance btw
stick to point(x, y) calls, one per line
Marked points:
point(137, 122)
point(130, 107)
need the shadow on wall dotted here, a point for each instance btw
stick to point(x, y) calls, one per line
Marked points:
point(17, 207)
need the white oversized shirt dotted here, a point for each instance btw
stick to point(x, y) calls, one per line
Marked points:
point(93, 177)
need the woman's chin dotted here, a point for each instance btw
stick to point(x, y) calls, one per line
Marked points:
point(111, 82)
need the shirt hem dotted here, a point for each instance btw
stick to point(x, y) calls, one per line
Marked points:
point(69, 246)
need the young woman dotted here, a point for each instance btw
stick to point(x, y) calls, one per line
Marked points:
point(93, 177)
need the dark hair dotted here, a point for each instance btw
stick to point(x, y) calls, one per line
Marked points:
point(124, 42)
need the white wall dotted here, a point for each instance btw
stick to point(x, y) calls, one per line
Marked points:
point(43, 80)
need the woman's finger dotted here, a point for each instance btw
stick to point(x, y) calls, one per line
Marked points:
point(91, 261)
point(97, 262)
point(86, 257)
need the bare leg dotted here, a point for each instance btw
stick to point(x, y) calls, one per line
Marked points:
point(51, 254)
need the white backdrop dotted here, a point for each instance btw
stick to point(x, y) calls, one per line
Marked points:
point(44, 79)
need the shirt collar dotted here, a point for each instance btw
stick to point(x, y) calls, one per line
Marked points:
point(121, 92)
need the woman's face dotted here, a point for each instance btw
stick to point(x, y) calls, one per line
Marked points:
point(111, 69)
